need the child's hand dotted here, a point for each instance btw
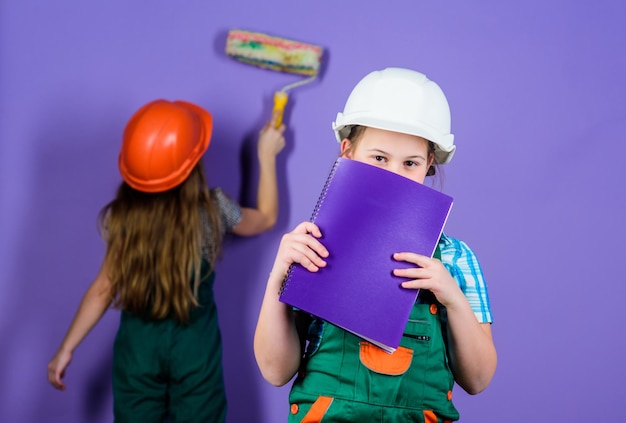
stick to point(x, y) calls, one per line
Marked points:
point(301, 246)
point(431, 275)
point(271, 139)
point(56, 368)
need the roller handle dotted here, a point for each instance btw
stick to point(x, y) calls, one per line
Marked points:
point(280, 102)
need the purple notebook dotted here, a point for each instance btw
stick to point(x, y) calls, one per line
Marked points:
point(366, 214)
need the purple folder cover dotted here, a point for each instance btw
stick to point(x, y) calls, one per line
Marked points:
point(366, 214)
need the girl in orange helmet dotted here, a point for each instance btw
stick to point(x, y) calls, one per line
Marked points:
point(163, 231)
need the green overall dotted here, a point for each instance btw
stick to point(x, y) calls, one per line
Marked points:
point(350, 380)
point(166, 369)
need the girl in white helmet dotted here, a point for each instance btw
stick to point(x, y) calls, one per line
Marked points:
point(164, 231)
point(399, 120)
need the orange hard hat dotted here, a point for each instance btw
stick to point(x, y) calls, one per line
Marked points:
point(162, 143)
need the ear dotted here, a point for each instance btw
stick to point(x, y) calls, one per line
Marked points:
point(431, 159)
point(346, 150)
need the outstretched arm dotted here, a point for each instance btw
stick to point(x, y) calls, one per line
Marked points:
point(472, 351)
point(277, 345)
point(93, 305)
point(262, 218)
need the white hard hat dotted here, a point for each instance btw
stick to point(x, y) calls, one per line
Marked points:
point(400, 100)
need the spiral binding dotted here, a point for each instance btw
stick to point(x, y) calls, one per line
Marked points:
point(316, 210)
point(287, 280)
point(322, 196)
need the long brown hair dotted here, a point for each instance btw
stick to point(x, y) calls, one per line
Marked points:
point(154, 246)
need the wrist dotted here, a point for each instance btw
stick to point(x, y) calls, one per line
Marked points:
point(457, 302)
point(266, 158)
point(64, 349)
point(278, 272)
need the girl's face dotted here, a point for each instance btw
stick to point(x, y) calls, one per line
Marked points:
point(404, 154)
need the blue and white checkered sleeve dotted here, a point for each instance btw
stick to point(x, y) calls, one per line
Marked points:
point(463, 265)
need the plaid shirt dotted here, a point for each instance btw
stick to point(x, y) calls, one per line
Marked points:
point(463, 265)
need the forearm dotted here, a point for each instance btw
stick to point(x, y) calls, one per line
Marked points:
point(94, 304)
point(276, 341)
point(263, 217)
point(472, 350)
point(267, 192)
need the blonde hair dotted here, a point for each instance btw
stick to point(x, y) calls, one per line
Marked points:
point(154, 247)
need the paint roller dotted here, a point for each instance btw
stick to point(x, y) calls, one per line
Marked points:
point(278, 54)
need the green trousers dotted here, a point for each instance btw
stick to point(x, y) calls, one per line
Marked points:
point(164, 369)
point(350, 380)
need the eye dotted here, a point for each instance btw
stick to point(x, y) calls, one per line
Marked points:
point(380, 158)
point(410, 163)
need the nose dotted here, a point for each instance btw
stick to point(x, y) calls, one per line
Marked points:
point(396, 168)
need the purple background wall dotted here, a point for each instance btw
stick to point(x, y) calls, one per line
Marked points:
point(539, 111)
